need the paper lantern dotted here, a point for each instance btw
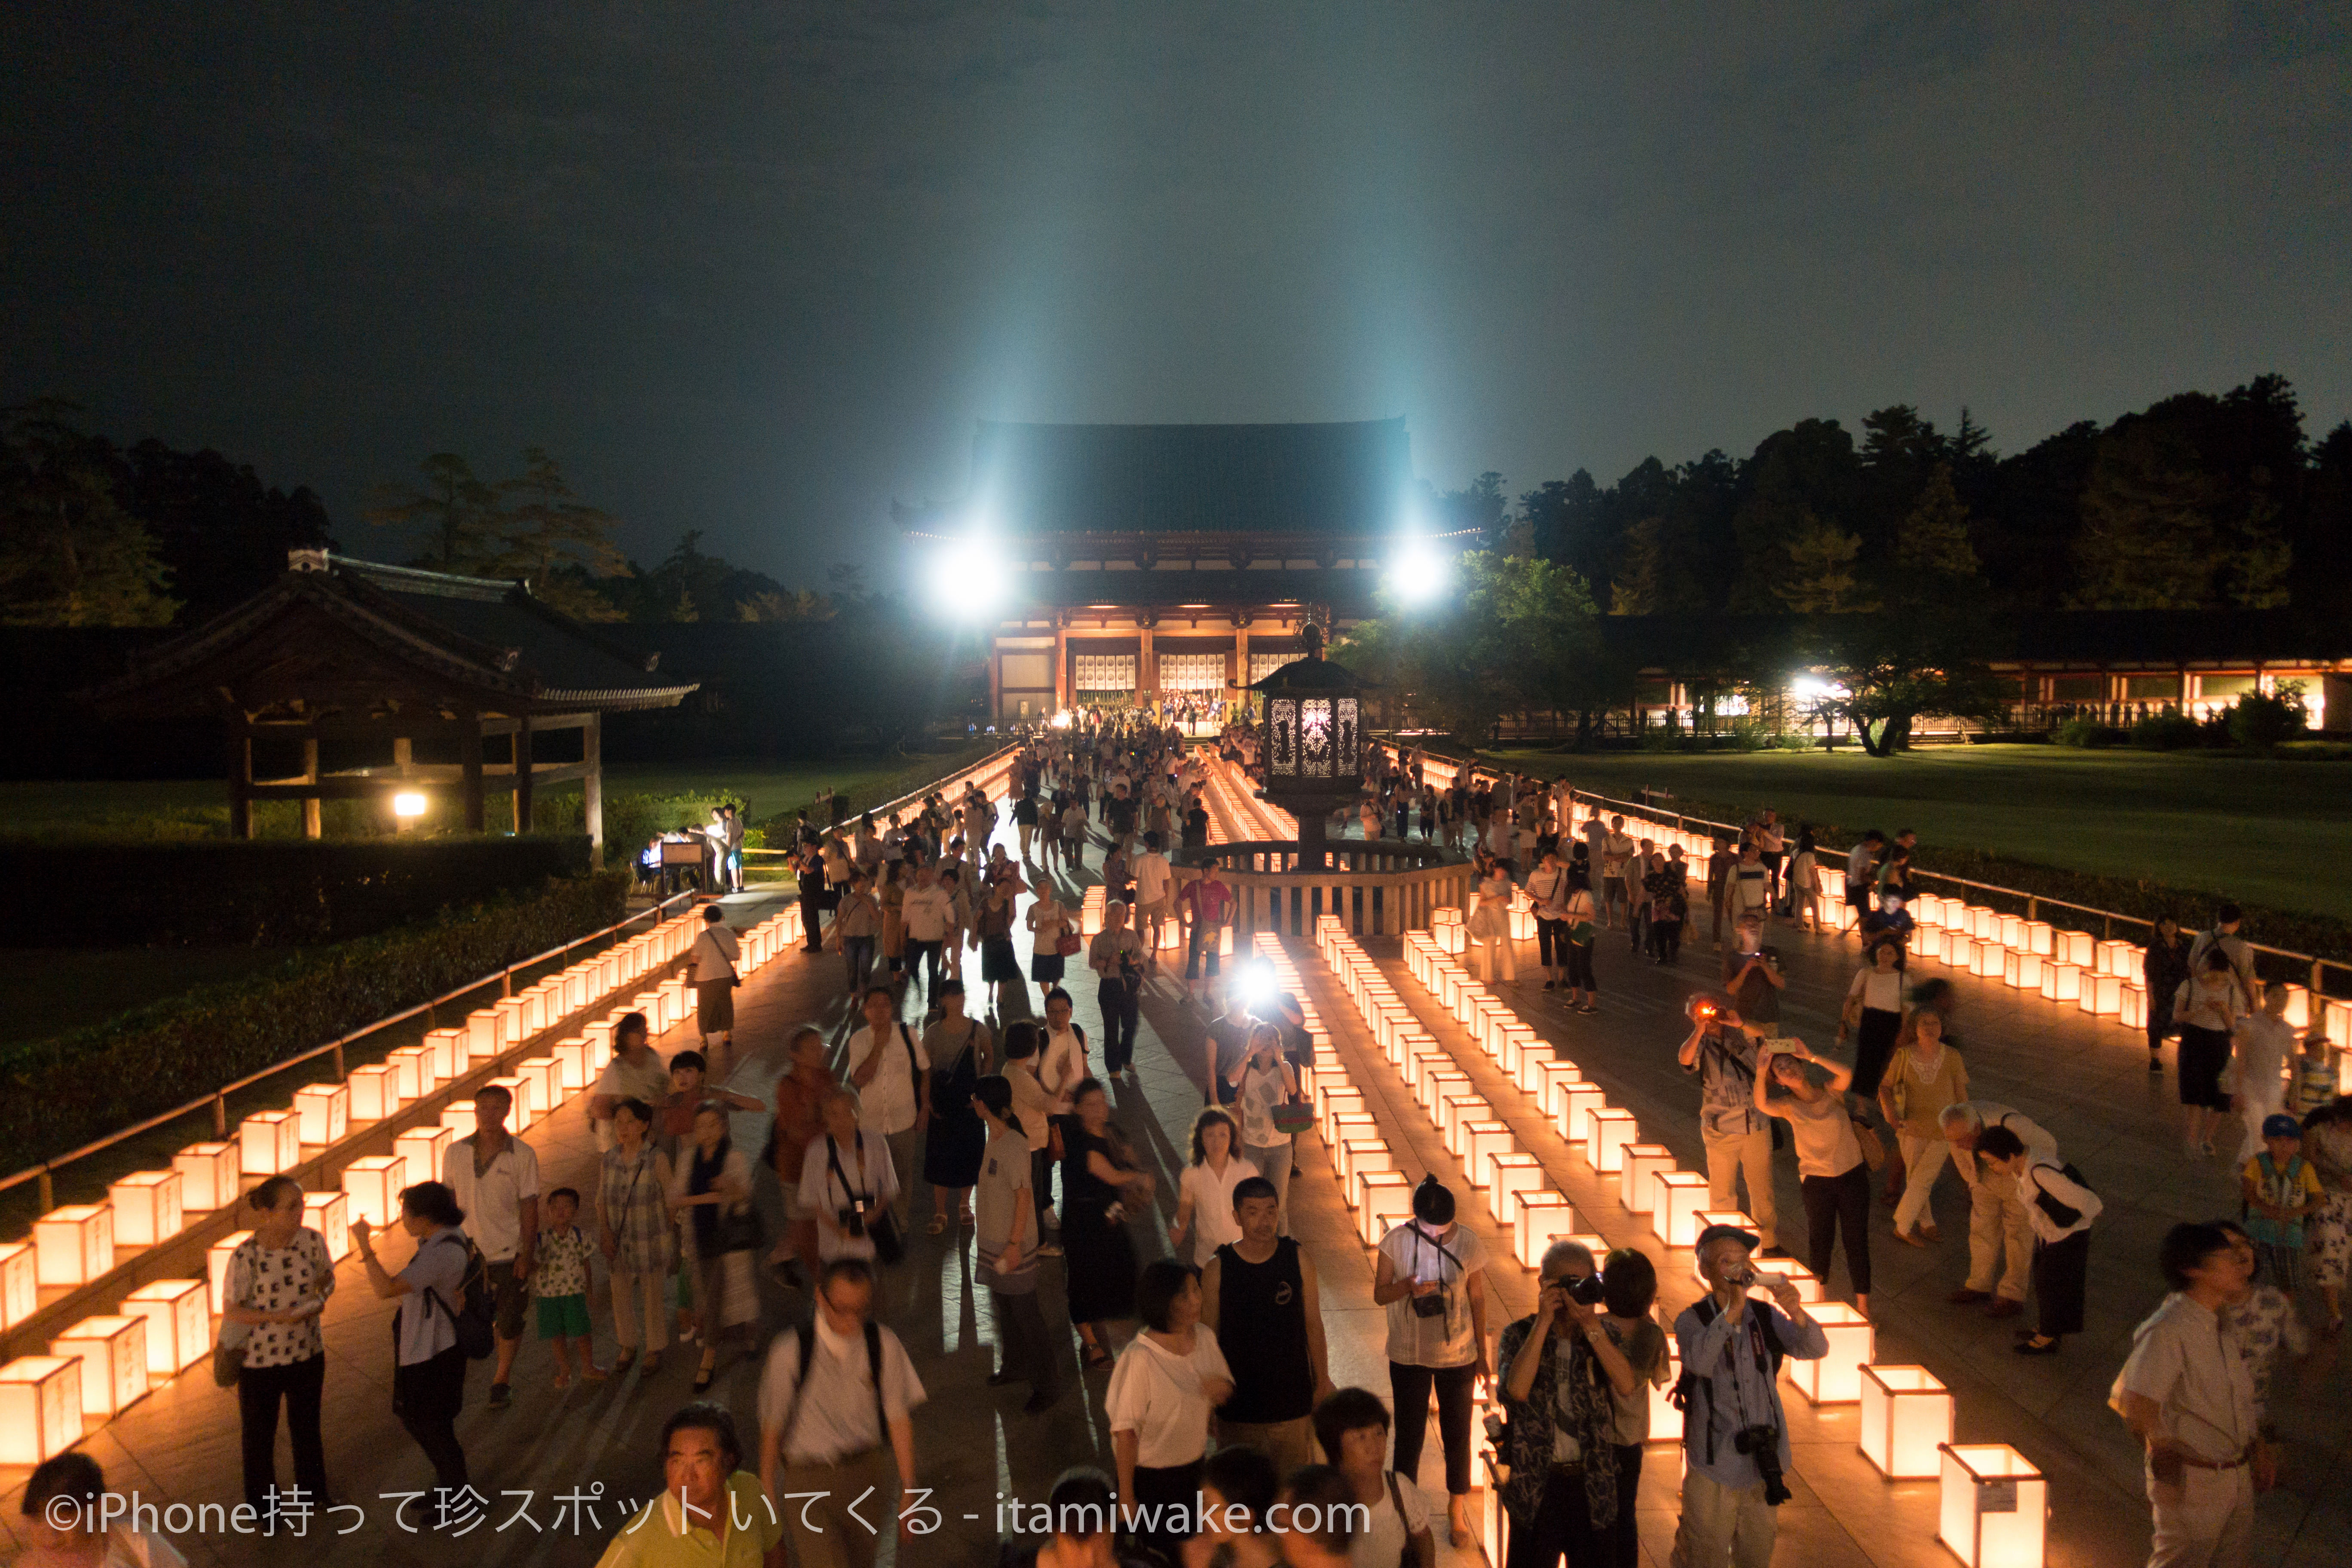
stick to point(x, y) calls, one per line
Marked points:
point(73, 1244)
point(216, 1258)
point(2022, 967)
point(1984, 924)
point(209, 1175)
point(1553, 1079)
point(1577, 1101)
point(1666, 1417)
point(546, 1081)
point(599, 1035)
point(1360, 1156)
point(1641, 1162)
point(2074, 947)
point(422, 1149)
point(530, 1013)
point(1990, 961)
point(1544, 1217)
point(2010, 931)
point(512, 1011)
point(482, 1033)
point(1960, 949)
point(2338, 1019)
point(1835, 1378)
point(179, 1325)
point(523, 1107)
point(323, 1112)
point(1519, 1041)
point(1523, 925)
point(1512, 1175)
point(1608, 1131)
point(1927, 910)
point(577, 979)
point(1456, 1109)
point(1993, 1506)
point(2118, 957)
point(1387, 1202)
point(1335, 1103)
point(2038, 938)
point(2062, 981)
point(20, 1282)
point(41, 1408)
point(2298, 1005)
point(328, 1214)
point(419, 1067)
point(1484, 1142)
point(1906, 1419)
point(270, 1142)
point(2102, 994)
point(146, 1206)
point(374, 1092)
point(1435, 1085)
point(2132, 1009)
point(372, 1183)
point(674, 1005)
point(113, 1355)
point(1676, 1198)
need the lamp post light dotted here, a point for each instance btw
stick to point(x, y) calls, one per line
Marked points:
point(1314, 758)
point(407, 809)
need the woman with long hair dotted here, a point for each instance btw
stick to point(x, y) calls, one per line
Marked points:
point(713, 1181)
point(1099, 1174)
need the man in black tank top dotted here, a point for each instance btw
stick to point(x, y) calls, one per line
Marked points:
point(1258, 1296)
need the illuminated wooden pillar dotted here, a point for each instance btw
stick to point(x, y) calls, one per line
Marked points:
point(1061, 665)
point(311, 826)
point(522, 791)
point(1146, 670)
point(591, 786)
point(1241, 658)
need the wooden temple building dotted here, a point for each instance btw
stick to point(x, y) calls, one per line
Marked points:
point(374, 662)
point(1145, 560)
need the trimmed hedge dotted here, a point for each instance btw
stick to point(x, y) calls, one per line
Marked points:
point(59, 1093)
point(266, 893)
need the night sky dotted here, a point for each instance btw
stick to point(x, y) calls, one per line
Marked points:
point(756, 269)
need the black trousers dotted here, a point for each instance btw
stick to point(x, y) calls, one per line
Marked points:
point(1835, 1203)
point(1410, 1387)
point(1551, 943)
point(1028, 1347)
point(1562, 1526)
point(259, 1390)
point(426, 1395)
point(1122, 1015)
point(1168, 1492)
point(1625, 1534)
point(1579, 967)
point(2060, 1271)
point(1041, 1185)
point(916, 954)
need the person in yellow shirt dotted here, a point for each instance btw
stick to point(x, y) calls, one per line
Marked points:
point(713, 1512)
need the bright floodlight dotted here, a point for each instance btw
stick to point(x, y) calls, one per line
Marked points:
point(1416, 572)
point(969, 577)
point(408, 805)
point(1257, 985)
point(1808, 688)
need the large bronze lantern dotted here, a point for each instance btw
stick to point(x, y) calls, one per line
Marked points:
point(1314, 747)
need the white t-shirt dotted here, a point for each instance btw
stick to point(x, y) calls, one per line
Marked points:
point(1383, 1544)
point(887, 1103)
point(1451, 1339)
point(1062, 1063)
point(493, 1201)
point(1158, 1396)
point(1151, 876)
point(1214, 1224)
point(716, 953)
point(822, 1191)
point(1880, 991)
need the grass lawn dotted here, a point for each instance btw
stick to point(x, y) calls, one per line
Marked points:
point(2277, 832)
point(51, 990)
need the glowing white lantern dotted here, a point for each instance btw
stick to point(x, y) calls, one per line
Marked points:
point(447, 1052)
point(531, 1012)
point(1484, 1142)
point(2339, 1018)
point(576, 979)
point(545, 1078)
point(457, 1121)
point(2102, 994)
point(1387, 1201)
point(1984, 924)
point(1990, 961)
point(209, 1175)
point(146, 1206)
point(2010, 931)
point(1518, 1041)
point(216, 1258)
point(673, 1003)
point(1552, 1080)
point(2062, 981)
point(1993, 1507)
point(1336, 1102)
point(375, 1091)
point(1927, 910)
point(512, 1013)
point(2075, 947)
point(1960, 949)
point(1456, 1109)
point(421, 1148)
point(2040, 938)
point(1435, 1086)
point(2115, 956)
point(1356, 1156)
point(1676, 1199)
point(179, 1325)
point(73, 1244)
point(2022, 967)
point(1578, 1102)
point(482, 1032)
point(599, 1035)
point(41, 1408)
point(1608, 1131)
point(2132, 1007)
point(20, 1283)
point(1835, 1378)
point(1512, 1175)
point(1665, 1416)
point(372, 1183)
point(113, 1355)
point(323, 1112)
point(1642, 1161)
point(270, 1142)
point(328, 1214)
point(572, 1065)
point(1906, 1419)
point(1544, 1217)
point(2298, 1005)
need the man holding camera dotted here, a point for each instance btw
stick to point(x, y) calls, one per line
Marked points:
point(1734, 1439)
point(1722, 1049)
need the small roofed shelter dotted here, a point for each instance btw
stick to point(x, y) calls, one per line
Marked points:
point(341, 651)
point(1314, 752)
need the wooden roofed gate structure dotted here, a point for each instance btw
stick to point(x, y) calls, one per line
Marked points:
point(354, 651)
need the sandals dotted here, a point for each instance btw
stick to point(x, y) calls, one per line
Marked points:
point(938, 1225)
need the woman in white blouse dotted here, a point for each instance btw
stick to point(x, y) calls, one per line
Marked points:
point(2060, 1210)
point(1169, 1380)
point(1489, 924)
point(1874, 1015)
point(1432, 1276)
point(1831, 1173)
point(279, 1281)
point(1204, 1195)
point(1262, 1081)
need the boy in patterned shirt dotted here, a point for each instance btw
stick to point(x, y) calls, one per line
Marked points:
point(559, 1280)
point(2314, 1084)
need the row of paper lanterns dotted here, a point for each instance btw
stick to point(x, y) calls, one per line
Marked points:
point(1993, 1501)
point(104, 1362)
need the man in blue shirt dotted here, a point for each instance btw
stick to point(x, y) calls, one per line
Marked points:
point(1732, 1346)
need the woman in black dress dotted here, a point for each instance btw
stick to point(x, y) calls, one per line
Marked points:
point(1098, 1177)
point(957, 1138)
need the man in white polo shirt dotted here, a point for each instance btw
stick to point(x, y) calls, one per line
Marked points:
point(892, 1073)
point(496, 1177)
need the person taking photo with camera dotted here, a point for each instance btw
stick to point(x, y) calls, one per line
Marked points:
point(1562, 1373)
point(1735, 1438)
point(1722, 1050)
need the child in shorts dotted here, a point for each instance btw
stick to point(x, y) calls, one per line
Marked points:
point(559, 1281)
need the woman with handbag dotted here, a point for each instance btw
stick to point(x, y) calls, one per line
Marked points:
point(279, 1281)
point(1099, 1174)
point(1431, 1278)
point(1874, 1015)
point(1266, 1088)
point(1833, 1174)
point(714, 1182)
point(2059, 1208)
point(955, 1143)
point(1055, 933)
point(1925, 1075)
point(635, 1233)
point(1000, 966)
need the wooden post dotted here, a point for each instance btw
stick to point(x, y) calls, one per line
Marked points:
point(522, 792)
point(310, 824)
point(1147, 671)
point(469, 760)
point(591, 788)
point(995, 682)
point(1061, 665)
point(240, 784)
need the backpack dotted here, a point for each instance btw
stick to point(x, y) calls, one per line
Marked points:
point(473, 1318)
point(808, 1356)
